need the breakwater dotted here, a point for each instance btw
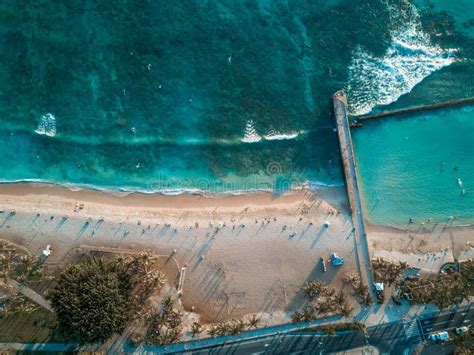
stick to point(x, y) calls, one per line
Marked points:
point(349, 167)
point(434, 106)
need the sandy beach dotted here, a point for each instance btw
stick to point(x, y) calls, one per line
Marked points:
point(244, 254)
point(424, 246)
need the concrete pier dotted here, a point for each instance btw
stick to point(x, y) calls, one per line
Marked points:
point(414, 109)
point(348, 162)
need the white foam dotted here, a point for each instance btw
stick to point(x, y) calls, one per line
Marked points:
point(279, 137)
point(250, 134)
point(127, 190)
point(47, 125)
point(410, 58)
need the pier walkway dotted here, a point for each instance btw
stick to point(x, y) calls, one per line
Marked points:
point(348, 162)
point(404, 111)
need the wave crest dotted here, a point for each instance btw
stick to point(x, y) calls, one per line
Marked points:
point(47, 125)
point(410, 58)
point(250, 134)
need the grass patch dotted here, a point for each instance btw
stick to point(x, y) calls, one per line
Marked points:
point(31, 327)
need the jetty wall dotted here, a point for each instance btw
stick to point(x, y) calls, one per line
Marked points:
point(350, 174)
point(416, 109)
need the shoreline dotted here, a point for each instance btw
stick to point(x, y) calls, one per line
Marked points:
point(123, 191)
point(427, 249)
point(39, 197)
point(334, 195)
point(221, 239)
point(415, 227)
point(325, 190)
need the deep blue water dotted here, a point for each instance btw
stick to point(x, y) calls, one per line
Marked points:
point(212, 95)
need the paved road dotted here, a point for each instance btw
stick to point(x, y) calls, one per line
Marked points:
point(394, 337)
point(447, 321)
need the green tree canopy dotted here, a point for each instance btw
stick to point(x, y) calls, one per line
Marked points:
point(91, 301)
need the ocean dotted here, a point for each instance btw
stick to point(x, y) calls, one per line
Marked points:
point(225, 96)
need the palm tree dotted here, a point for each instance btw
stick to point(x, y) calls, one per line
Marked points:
point(297, 317)
point(253, 322)
point(237, 326)
point(173, 319)
point(329, 292)
point(6, 263)
point(308, 314)
point(368, 300)
point(174, 334)
point(362, 290)
point(324, 307)
point(222, 328)
point(196, 329)
point(29, 268)
point(154, 278)
point(121, 261)
point(18, 303)
point(144, 313)
point(463, 350)
point(212, 331)
point(352, 279)
point(340, 298)
point(147, 260)
point(309, 290)
point(164, 338)
point(167, 302)
point(346, 310)
point(314, 288)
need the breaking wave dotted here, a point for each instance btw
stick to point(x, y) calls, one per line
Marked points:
point(251, 135)
point(410, 58)
point(279, 137)
point(47, 125)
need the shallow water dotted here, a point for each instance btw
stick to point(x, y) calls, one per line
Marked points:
point(211, 95)
point(418, 166)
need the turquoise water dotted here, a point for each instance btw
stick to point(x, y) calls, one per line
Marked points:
point(410, 166)
point(212, 95)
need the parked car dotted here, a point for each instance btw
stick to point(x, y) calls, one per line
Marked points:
point(439, 336)
point(461, 330)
